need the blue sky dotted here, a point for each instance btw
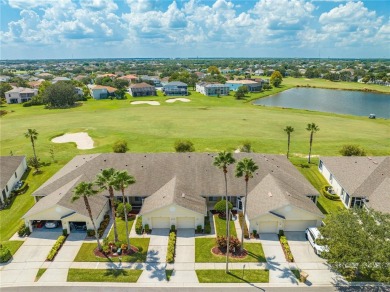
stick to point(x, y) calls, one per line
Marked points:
point(40, 29)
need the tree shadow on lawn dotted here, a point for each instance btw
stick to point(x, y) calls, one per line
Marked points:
point(246, 281)
point(259, 258)
point(116, 272)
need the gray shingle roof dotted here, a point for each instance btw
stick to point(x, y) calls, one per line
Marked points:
point(172, 174)
point(363, 177)
point(8, 166)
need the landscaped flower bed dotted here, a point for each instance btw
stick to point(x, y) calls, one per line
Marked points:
point(56, 247)
point(234, 247)
point(286, 248)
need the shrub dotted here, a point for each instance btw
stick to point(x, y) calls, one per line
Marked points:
point(207, 226)
point(147, 229)
point(352, 150)
point(27, 103)
point(106, 249)
point(243, 223)
point(281, 233)
point(199, 229)
point(90, 232)
point(246, 147)
point(234, 243)
point(173, 228)
point(56, 247)
point(138, 225)
point(286, 248)
point(220, 206)
point(23, 230)
point(120, 146)
point(124, 246)
point(64, 232)
point(325, 192)
point(171, 247)
point(120, 210)
point(5, 254)
point(254, 232)
point(184, 146)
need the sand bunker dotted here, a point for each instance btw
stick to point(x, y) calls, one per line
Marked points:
point(83, 140)
point(146, 102)
point(178, 99)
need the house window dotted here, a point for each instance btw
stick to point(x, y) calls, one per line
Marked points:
point(6, 188)
point(320, 166)
point(346, 200)
point(213, 199)
point(4, 195)
point(356, 202)
point(16, 176)
point(331, 178)
point(313, 198)
point(137, 199)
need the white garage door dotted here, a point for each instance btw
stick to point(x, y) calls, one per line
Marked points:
point(185, 222)
point(299, 225)
point(160, 222)
point(268, 227)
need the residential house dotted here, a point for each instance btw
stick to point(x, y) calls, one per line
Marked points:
point(359, 181)
point(101, 92)
point(180, 188)
point(45, 75)
point(175, 88)
point(4, 78)
point(252, 86)
point(56, 79)
point(212, 89)
point(130, 78)
point(151, 79)
point(12, 169)
point(142, 89)
point(20, 94)
point(35, 84)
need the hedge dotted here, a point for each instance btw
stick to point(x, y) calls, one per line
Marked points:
point(102, 227)
point(329, 195)
point(138, 225)
point(23, 230)
point(171, 247)
point(207, 226)
point(56, 247)
point(243, 223)
point(5, 254)
point(286, 248)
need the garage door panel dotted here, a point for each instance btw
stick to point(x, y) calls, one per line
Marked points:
point(185, 222)
point(268, 227)
point(299, 225)
point(160, 222)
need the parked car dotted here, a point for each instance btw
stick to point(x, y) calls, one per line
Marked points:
point(51, 224)
point(314, 235)
point(78, 226)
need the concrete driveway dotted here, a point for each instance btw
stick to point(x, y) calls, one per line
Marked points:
point(279, 268)
point(184, 267)
point(29, 258)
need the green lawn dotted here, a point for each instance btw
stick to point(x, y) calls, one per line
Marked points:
point(109, 275)
point(39, 274)
point(203, 252)
point(86, 254)
point(221, 226)
point(235, 276)
point(121, 228)
point(12, 245)
point(318, 181)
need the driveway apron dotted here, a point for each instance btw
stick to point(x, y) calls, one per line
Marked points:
point(184, 267)
point(156, 257)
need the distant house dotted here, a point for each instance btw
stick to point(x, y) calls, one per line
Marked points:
point(35, 84)
point(212, 89)
point(20, 94)
point(4, 78)
point(142, 89)
point(253, 86)
point(175, 88)
point(106, 75)
point(259, 72)
point(45, 75)
point(152, 79)
point(130, 78)
point(56, 79)
point(101, 92)
point(79, 77)
point(200, 75)
point(12, 169)
point(359, 181)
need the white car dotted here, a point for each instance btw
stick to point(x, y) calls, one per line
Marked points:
point(313, 235)
point(51, 224)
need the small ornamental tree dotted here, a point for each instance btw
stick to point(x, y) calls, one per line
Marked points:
point(120, 210)
point(352, 150)
point(60, 95)
point(220, 206)
point(184, 146)
point(276, 78)
point(120, 146)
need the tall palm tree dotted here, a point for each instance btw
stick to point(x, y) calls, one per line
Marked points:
point(288, 130)
point(106, 181)
point(33, 135)
point(222, 161)
point(245, 168)
point(85, 190)
point(312, 128)
point(123, 180)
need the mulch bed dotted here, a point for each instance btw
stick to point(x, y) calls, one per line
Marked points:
point(127, 252)
point(222, 252)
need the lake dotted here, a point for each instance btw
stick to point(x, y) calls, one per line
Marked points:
point(356, 103)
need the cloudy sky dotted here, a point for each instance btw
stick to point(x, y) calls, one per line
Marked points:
point(34, 29)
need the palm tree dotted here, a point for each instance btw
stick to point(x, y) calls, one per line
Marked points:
point(106, 181)
point(222, 161)
point(312, 128)
point(85, 190)
point(288, 130)
point(123, 180)
point(245, 167)
point(33, 135)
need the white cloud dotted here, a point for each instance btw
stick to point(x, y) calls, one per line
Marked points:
point(27, 4)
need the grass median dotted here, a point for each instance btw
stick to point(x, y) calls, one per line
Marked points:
point(234, 276)
point(108, 275)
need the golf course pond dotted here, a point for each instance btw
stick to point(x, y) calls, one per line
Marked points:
point(358, 103)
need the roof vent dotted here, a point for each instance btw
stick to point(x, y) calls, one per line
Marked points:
point(126, 165)
point(183, 195)
point(142, 166)
point(145, 156)
point(105, 160)
point(269, 194)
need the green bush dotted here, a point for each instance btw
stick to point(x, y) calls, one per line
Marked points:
point(23, 230)
point(207, 226)
point(171, 247)
point(173, 228)
point(120, 146)
point(27, 103)
point(281, 233)
point(147, 229)
point(120, 210)
point(56, 247)
point(352, 150)
point(333, 197)
point(102, 227)
point(90, 232)
point(243, 223)
point(184, 146)
point(220, 206)
point(64, 232)
point(199, 229)
point(286, 248)
point(138, 225)
point(234, 243)
point(5, 254)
